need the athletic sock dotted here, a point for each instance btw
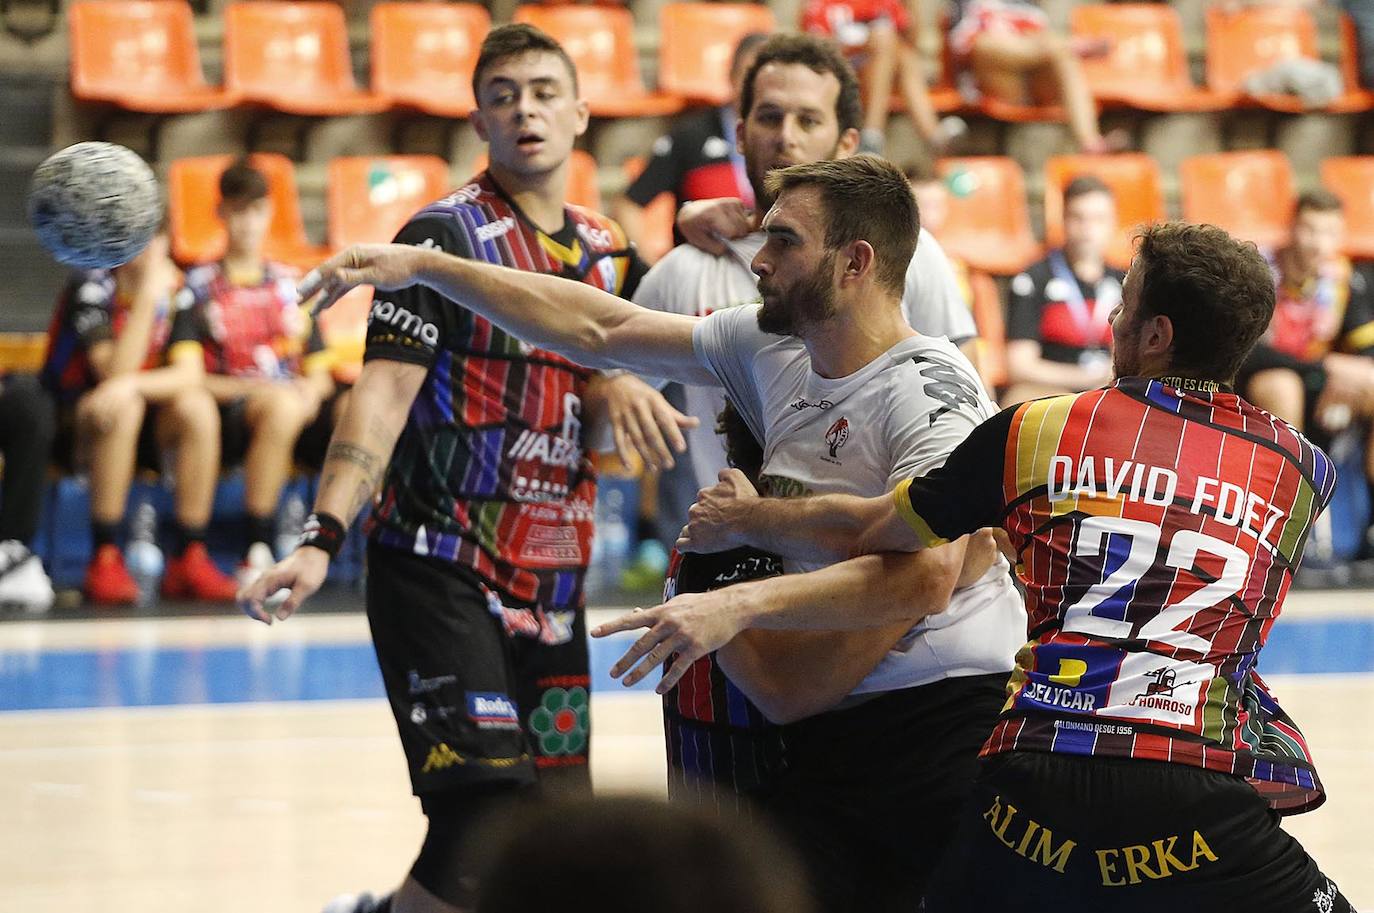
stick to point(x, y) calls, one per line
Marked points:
point(104, 533)
point(260, 529)
point(184, 536)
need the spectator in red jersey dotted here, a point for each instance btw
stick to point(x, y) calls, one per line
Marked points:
point(129, 386)
point(1314, 368)
point(1058, 333)
point(1010, 53)
point(265, 363)
point(881, 37)
point(698, 160)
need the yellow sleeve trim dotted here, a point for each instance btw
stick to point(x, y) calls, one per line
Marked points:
point(187, 348)
point(1362, 337)
point(902, 500)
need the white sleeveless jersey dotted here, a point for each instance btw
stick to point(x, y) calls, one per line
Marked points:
point(897, 417)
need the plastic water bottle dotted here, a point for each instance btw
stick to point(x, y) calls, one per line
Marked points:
point(611, 545)
point(289, 525)
point(143, 557)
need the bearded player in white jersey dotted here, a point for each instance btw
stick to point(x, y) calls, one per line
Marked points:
point(844, 397)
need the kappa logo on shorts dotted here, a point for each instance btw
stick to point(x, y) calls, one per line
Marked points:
point(441, 757)
point(492, 710)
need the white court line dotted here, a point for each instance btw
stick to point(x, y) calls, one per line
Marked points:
point(229, 630)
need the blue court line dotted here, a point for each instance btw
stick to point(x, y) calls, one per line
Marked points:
point(163, 676)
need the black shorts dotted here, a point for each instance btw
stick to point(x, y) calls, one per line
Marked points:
point(869, 795)
point(473, 705)
point(1083, 835)
point(147, 453)
point(234, 434)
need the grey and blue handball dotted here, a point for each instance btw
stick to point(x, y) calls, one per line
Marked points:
point(94, 205)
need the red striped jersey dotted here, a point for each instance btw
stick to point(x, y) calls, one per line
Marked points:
point(490, 471)
point(1158, 530)
point(720, 746)
point(256, 329)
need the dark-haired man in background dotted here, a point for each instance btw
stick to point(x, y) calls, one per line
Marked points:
point(1058, 335)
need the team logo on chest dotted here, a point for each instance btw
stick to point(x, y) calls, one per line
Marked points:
point(835, 437)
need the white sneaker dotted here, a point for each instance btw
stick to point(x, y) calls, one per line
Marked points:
point(22, 580)
point(256, 563)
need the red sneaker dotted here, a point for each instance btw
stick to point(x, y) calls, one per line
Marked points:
point(192, 575)
point(108, 581)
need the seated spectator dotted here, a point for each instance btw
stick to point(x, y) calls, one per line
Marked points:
point(265, 362)
point(698, 160)
point(27, 426)
point(129, 390)
point(1007, 49)
point(1058, 333)
point(629, 855)
point(1314, 367)
point(881, 38)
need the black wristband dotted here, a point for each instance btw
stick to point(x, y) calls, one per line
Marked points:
point(324, 532)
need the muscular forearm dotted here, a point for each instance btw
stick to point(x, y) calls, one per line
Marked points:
point(821, 528)
point(359, 451)
point(791, 675)
point(864, 592)
point(572, 319)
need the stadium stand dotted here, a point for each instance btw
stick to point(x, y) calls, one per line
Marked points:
point(1250, 194)
point(989, 223)
point(423, 54)
point(1352, 179)
point(1134, 180)
point(1174, 75)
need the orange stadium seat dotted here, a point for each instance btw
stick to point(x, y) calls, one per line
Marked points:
point(989, 222)
point(423, 54)
point(584, 186)
point(698, 42)
point(1250, 194)
point(600, 41)
point(1242, 41)
point(656, 221)
point(1147, 67)
point(370, 198)
point(1135, 182)
point(140, 55)
point(992, 329)
point(293, 57)
point(1352, 179)
point(198, 234)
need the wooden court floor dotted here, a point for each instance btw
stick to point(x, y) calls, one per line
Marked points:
point(277, 806)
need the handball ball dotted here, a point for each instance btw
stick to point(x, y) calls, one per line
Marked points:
point(94, 205)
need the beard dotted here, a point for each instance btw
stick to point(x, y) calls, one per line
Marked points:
point(811, 300)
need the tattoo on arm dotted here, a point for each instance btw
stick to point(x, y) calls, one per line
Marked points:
point(358, 456)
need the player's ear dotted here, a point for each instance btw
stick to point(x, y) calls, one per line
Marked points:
point(861, 259)
point(479, 124)
point(584, 116)
point(848, 144)
point(1159, 335)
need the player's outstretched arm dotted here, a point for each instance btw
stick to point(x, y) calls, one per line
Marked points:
point(582, 323)
point(353, 466)
point(731, 514)
point(869, 591)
